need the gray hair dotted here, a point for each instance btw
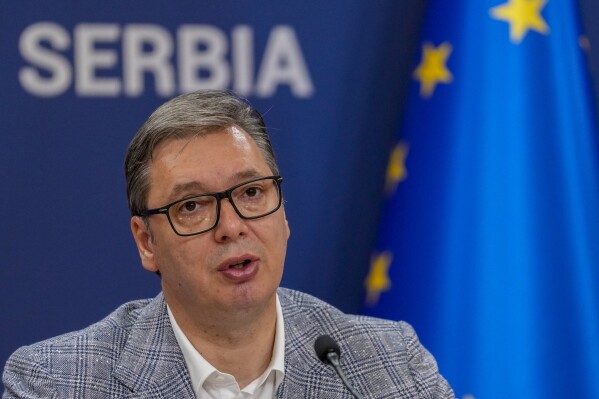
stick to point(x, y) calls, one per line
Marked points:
point(189, 115)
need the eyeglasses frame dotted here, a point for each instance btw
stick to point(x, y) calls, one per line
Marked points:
point(219, 196)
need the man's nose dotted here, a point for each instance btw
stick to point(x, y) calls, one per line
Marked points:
point(230, 224)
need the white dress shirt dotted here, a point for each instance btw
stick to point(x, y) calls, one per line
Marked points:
point(208, 382)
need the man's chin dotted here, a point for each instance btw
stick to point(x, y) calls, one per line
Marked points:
point(249, 297)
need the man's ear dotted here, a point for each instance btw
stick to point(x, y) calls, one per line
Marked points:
point(145, 244)
point(288, 230)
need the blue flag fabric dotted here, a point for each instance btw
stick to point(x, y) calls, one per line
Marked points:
point(489, 243)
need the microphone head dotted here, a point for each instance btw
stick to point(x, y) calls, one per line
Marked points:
point(325, 345)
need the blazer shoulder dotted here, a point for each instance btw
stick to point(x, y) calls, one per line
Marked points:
point(299, 303)
point(367, 344)
point(114, 324)
point(35, 369)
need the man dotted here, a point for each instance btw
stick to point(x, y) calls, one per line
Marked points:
point(205, 197)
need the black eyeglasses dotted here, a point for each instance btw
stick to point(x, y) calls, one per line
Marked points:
point(198, 214)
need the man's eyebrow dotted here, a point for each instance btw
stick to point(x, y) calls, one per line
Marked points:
point(197, 188)
point(182, 189)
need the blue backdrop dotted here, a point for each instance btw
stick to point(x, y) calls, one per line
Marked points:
point(77, 78)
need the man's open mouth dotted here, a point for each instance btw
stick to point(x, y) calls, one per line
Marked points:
point(240, 265)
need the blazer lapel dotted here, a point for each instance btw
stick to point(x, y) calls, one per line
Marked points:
point(151, 364)
point(305, 375)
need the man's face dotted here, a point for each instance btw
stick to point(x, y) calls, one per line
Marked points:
point(196, 271)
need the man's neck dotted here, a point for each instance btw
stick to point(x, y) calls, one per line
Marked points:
point(239, 346)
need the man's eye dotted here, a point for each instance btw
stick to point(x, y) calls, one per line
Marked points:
point(195, 205)
point(190, 206)
point(252, 191)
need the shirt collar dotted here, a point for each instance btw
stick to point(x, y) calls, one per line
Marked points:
point(200, 369)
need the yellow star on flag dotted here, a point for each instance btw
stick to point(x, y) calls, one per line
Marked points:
point(396, 169)
point(432, 69)
point(378, 280)
point(522, 15)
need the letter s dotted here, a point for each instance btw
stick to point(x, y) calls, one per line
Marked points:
point(45, 58)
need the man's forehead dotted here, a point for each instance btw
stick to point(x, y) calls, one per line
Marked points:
point(214, 169)
point(186, 136)
point(232, 137)
point(182, 189)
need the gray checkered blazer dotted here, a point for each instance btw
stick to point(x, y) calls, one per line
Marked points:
point(133, 353)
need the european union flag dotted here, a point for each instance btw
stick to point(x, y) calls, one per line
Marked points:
point(489, 243)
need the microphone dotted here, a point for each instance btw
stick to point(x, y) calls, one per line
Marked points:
point(328, 352)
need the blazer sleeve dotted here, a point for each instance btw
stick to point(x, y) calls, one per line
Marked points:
point(26, 377)
point(423, 367)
